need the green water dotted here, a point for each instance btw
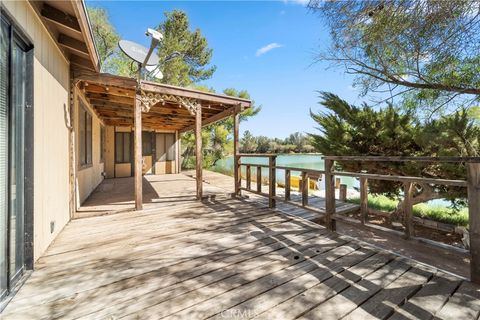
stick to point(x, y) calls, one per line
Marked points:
point(307, 161)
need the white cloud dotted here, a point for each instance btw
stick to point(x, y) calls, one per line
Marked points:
point(300, 2)
point(267, 48)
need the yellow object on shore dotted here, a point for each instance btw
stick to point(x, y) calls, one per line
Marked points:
point(295, 183)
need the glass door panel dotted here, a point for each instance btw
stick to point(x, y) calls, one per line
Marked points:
point(4, 49)
point(16, 163)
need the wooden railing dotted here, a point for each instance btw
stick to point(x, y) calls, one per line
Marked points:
point(472, 183)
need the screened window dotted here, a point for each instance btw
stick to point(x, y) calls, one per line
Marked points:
point(85, 134)
point(102, 143)
point(122, 147)
point(165, 146)
point(170, 144)
point(147, 143)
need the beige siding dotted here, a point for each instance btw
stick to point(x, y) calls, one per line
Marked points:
point(87, 178)
point(51, 97)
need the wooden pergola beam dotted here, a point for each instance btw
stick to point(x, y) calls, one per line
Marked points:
point(206, 97)
point(217, 117)
point(105, 79)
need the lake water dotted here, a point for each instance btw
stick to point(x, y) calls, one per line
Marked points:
point(307, 161)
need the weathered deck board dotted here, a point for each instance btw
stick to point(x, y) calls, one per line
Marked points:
point(225, 259)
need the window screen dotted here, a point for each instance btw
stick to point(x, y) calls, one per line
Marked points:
point(122, 147)
point(165, 146)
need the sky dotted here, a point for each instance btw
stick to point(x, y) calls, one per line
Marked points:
point(265, 47)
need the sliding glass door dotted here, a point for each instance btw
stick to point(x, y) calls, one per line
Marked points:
point(4, 106)
point(15, 77)
point(16, 163)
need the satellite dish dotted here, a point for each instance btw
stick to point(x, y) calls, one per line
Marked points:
point(155, 72)
point(137, 52)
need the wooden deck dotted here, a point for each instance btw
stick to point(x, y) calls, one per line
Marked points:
point(229, 259)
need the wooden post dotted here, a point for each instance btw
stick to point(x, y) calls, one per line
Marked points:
point(408, 209)
point(337, 183)
point(137, 154)
point(259, 179)
point(473, 179)
point(363, 199)
point(329, 195)
point(304, 187)
point(287, 185)
point(249, 177)
point(198, 151)
point(237, 174)
point(272, 160)
point(343, 192)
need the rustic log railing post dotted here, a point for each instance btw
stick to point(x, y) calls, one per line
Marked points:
point(343, 192)
point(408, 209)
point(259, 179)
point(287, 185)
point(363, 200)
point(249, 177)
point(138, 153)
point(272, 160)
point(329, 195)
point(236, 158)
point(473, 180)
point(304, 189)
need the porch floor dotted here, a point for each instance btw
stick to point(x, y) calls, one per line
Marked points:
point(114, 195)
point(228, 258)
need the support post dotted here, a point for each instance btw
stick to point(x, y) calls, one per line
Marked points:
point(198, 151)
point(338, 181)
point(304, 187)
point(138, 153)
point(408, 209)
point(363, 199)
point(259, 179)
point(236, 159)
point(249, 177)
point(343, 192)
point(329, 195)
point(473, 180)
point(272, 183)
point(287, 185)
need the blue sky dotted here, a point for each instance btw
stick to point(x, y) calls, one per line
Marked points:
point(265, 47)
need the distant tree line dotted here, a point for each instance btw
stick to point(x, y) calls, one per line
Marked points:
point(295, 143)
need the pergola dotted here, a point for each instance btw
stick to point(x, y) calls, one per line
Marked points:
point(123, 101)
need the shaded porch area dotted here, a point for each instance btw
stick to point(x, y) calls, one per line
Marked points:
point(220, 258)
point(117, 195)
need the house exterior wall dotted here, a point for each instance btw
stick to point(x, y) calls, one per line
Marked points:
point(90, 176)
point(51, 145)
point(121, 170)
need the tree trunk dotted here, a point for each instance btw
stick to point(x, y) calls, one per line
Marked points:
point(427, 193)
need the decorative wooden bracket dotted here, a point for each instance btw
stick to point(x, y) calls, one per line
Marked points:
point(149, 99)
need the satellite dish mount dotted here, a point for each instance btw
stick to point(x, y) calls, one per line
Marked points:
point(141, 54)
